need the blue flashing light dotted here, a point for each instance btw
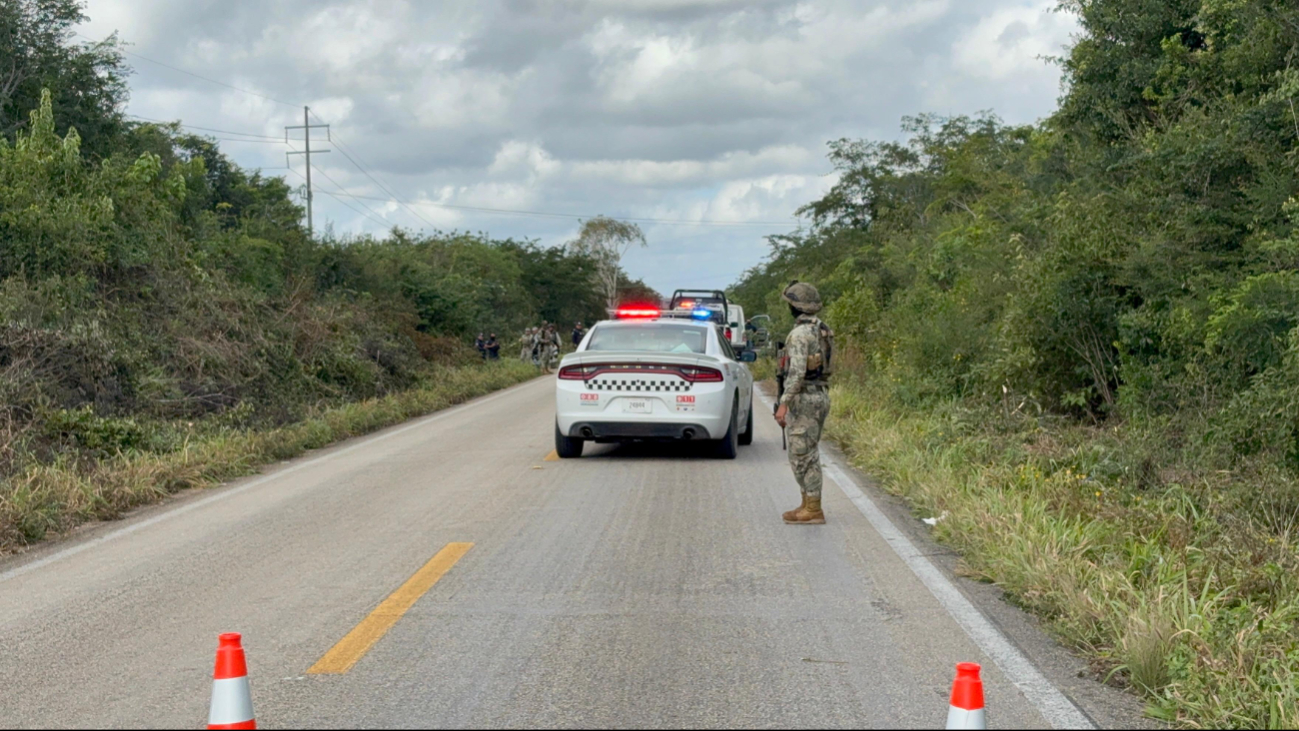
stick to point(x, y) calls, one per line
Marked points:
point(701, 314)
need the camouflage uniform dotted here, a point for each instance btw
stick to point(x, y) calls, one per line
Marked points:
point(525, 346)
point(549, 349)
point(534, 346)
point(808, 402)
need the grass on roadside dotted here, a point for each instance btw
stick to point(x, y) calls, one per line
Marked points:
point(49, 499)
point(1183, 593)
point(763, 368)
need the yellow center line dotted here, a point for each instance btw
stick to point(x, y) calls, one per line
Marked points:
point(349, 650)
point(552, 457)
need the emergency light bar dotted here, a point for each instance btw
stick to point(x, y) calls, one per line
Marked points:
point(624, 313)
point(645, 312)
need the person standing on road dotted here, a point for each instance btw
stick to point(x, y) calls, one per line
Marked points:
point(549, 348)
point(525, 345)
point(806, 401)
point(578, 332)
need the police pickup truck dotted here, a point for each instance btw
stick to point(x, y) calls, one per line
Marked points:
point(729, 316)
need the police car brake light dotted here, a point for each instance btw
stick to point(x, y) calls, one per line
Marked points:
point(701, 375)
point(577, 373)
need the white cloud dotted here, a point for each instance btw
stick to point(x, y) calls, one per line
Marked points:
point(1013, 41)
point(461, 99)
point(341, 38)
point(686, 109)
point(518, 158)
point(698, 172)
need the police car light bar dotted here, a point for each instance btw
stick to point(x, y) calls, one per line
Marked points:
point(630, 312)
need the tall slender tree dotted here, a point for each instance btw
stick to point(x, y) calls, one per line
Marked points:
point(605, 240)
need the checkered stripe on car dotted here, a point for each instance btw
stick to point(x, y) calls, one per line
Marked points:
point(636, 385)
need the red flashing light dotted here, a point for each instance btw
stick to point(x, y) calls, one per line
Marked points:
point(630, 312)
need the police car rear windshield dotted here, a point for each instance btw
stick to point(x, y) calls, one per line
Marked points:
point(649, 337)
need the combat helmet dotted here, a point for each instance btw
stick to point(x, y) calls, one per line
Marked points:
point(802, 297)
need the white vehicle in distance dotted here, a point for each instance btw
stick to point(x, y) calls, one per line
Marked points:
point(735, 327)
point(649, 375)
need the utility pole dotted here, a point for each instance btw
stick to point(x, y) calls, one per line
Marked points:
point(306, 128)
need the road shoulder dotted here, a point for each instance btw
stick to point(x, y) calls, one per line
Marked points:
point(92, 533)
point(1107, 707)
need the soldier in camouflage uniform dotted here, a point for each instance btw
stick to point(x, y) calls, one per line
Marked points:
point(549, 348)
point(806, 401)
point(525, 345)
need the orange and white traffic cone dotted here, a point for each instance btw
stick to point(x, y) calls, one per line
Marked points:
point(966, 711)
point(232, 702)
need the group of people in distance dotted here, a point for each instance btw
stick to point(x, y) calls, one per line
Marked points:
point(489, 348)
point(542, 344)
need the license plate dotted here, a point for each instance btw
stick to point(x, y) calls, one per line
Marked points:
point(638, 406)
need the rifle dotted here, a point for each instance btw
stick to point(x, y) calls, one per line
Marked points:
point(782, 366)
point(780, 392)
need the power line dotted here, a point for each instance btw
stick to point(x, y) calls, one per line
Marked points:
point(381, 222)
point(342, 149)
point(506, 211)
point(342, 202)
point(207, 129)
point(191, 73)
point(238, 139)
point(393, 198)
point(405, 204)
point(341, 192)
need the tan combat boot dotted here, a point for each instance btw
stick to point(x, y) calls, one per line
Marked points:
point(809, 514)
point(789, 515)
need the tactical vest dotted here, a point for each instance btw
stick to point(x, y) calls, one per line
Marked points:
point(819, 364)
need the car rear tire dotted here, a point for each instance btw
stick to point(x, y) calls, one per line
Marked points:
point(746, 436)
point(567, 447)
point(729, 446)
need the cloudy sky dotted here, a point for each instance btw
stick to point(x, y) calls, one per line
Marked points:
point(706, 118)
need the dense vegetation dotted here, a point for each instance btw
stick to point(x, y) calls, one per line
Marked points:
point(1081, 338)
point(153, 292)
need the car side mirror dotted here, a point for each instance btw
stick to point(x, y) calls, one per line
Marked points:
point(748, 356)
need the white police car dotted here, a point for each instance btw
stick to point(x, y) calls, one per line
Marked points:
point(654, 375)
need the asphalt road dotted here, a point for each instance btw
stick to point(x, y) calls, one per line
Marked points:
point(636, 587)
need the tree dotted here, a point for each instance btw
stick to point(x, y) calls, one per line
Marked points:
point(635, 290)
point(604, 240)
point(87, 82)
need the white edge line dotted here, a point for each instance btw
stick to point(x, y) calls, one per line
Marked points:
point(1057, 709)
point(255, 482)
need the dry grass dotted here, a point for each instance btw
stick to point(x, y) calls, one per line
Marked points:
point(46, 500)
point(1173, 591)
